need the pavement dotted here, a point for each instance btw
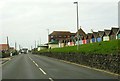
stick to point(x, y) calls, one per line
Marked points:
point(3, 60)
point(29, 66)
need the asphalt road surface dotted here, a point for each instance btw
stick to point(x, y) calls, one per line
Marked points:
point(28, 66)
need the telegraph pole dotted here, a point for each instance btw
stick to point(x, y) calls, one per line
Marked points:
point(8, 44)
point(48, 39)
point(31, 48)
point(48, 35)
point(15, 46)
point(35, 44)
point(19, 47)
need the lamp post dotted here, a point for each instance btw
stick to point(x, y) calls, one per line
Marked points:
point(8, 44)
point(77, 25)
point(48, 38)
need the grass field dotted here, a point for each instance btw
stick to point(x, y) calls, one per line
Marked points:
point(104, 47)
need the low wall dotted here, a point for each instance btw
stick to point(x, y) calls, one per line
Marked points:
point(108, 62)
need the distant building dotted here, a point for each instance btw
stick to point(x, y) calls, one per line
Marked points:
point(106, 36)
point(96, 37)
point(41, 47)
point(82, 37)
point(118, 34)
point(60, 37)
point(113, 34)
point(4, 47)
point(66, 38)
point(90, 37)
point(100, 37)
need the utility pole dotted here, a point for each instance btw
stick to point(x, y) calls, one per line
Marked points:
point(48, 39)
point(15, 46)
point(8, 44)
point(40, 41)
point(35, 44)
point(77, 25)
point(48, 35)
point(19, 47)
point(31, 48)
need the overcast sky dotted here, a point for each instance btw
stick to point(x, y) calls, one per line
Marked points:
point(25, 21)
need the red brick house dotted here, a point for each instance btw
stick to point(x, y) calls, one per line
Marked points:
point(4, 47)
point(61, 37)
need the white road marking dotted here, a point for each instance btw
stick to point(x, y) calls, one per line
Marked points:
point(6, 62)
point(51, 79)
point(42, 71)
point(36, 64)
point(33, 61)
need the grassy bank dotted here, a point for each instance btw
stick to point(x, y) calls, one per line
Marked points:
point(104, 47)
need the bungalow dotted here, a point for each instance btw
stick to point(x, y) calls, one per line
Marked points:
point(95, 35)
point(72, 41)
point(100, 36)
point(90, 38)
point(118, 34)
point(113, 34)
point(106, 36)
point(81, 37)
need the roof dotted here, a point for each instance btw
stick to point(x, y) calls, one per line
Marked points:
point(89, 35)
point(72, 34)
point(101, 33)
point(4, 46)
point(107, 32)
point(43, 46)
point(95, 34)
point(80, 31)
point(118, 32)
point(60, 33)
point(115, 30)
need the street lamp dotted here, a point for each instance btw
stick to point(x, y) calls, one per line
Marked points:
point(77, 25)
point(48, 38)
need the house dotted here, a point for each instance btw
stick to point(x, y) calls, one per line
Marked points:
point(4, 47)
point(113, 34)
point(60, 38)
point(100, 36)
point(95, 35)
point(71, 41)
point(106, 36)
point(53, 45)
point(90, 38)
point(81, 36)
point(118, 34)
point(41, 47)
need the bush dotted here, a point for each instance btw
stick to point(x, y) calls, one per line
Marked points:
point(5, 54)
point(15, 53)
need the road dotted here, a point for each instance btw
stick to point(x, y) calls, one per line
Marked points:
point(28, 66)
